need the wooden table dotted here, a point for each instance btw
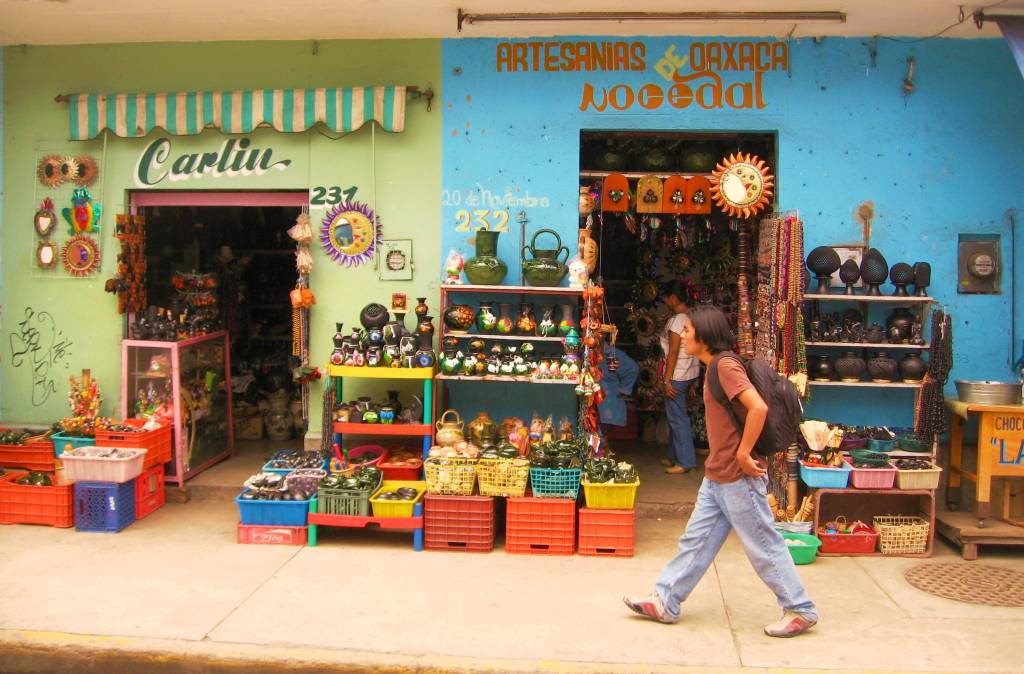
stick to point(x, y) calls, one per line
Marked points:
point(1000, 454)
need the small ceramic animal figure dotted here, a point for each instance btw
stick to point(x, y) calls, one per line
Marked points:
point(453, 269)
point(578, 275)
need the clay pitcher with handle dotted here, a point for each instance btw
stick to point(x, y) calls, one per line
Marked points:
point(449, 432)
point(546, 266)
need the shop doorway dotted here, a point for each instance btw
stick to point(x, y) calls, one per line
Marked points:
point(220, 261)
point(640, 253)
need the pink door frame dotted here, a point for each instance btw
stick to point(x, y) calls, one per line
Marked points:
point(142, 199)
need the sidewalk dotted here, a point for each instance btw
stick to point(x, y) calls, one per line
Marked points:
point(176, 585)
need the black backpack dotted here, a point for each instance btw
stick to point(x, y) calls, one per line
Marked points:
point(778, 393)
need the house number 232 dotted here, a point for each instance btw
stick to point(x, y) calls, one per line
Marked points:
point(481, 218)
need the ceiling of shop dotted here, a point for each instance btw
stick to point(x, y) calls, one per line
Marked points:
point(103, 21)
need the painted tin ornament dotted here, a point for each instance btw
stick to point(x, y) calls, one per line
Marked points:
point(81, 255)
point(675, 195)
point(45, 219)
point(350, 233)
point(698, 196)
point(615, 194)
point(84, 215)
point(649, 195)
point(742, 185)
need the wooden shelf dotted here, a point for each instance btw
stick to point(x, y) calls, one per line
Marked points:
point(506, 379)
point(866, 345)
point(868, 298)
point(591, 173)
point(506, 338)
point(875, 384)
point(512, 290)
point(380, 372)
point(408, 430)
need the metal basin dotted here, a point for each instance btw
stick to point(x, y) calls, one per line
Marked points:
point(988, 392)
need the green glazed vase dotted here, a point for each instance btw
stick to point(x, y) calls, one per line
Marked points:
point(545, 266)
point(485, 268)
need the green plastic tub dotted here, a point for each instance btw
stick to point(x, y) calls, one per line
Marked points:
point(802, 554)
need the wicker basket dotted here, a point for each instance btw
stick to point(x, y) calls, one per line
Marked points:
point(503, 477)
point(450, 476)
point(918, 479)
point(902, 535)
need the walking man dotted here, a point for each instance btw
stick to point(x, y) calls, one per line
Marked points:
point(681, 370)
point(733, 495)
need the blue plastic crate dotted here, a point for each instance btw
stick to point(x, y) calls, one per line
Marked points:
point(276, 513)
point(104, 506)
point(555, 482)
point(825, 478)
point(60, 440)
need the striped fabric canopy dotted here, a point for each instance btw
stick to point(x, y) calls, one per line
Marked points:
point(188, 113)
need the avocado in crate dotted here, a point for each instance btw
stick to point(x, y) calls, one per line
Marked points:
point(608, 484)
point(555, 469)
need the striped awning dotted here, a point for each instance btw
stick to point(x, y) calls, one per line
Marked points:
point(240, 111)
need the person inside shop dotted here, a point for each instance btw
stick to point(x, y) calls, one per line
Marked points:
point(619, 373)
point(733, 495)
point(678, 374)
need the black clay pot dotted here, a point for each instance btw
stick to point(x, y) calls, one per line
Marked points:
point(882, 368)
point(849, 273)
point(901, 275)
point(850, 367)
point(820, 368)
point(373, 315)
point(922, 278)
point(823, 261)
point(900, 325)
point(913, 367)
point(875, 334)
point(874, 270)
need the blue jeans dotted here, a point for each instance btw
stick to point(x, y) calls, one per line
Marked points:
point(743, 506)
point(680, 447)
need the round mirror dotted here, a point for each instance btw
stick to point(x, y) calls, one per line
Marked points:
point(81, 255)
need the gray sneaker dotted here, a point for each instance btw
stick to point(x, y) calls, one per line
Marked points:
point(650, 606)
point(790, 624)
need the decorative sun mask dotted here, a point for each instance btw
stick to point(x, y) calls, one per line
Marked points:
point(742, 185)
point(350, 233)
point(81, 255)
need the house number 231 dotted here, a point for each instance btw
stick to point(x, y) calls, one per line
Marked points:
point(331, 195)
point(481, 218)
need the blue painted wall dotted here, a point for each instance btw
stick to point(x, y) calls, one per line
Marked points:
point(947, 159)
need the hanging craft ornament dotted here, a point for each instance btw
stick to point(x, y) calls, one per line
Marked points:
point(86, 170)
point(84, 215)
point(350, 233)
point(301, 232)
point(698, 196)
point(81, 255)
point(742, 185)
point(48, 171)
point(45, 219)
point(615, 194)
point(675, 195)
point(68, 168)
point(649, 192)
point(46, 254)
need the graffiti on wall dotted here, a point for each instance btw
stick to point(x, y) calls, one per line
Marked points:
point(680, 80)
point(41, 346)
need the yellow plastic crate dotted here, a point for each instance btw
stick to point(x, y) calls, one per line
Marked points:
point(450, 476)
point(397, 508)
point(502, 477)
point(610, 495)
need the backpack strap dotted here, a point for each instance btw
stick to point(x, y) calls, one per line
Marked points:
point(715, 384)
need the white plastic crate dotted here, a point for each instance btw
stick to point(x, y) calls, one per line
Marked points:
point(87, 464)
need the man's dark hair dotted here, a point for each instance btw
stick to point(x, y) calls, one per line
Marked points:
point(711, 328)
point(679, 289)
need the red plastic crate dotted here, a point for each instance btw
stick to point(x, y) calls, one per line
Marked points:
point(157, 442)
point(402, 472)
point(260, 535)
point(458, 523)
point(33, 456)
point(540, 526)
point(845, 544)
point(26, 504)
point(607, 533)
point(149, 491)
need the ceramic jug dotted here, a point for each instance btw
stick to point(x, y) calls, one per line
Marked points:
point(485, 268)
point(483, 431)
point(545, 266)
point(449, 432)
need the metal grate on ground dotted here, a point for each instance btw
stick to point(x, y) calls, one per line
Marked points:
point(970, 583)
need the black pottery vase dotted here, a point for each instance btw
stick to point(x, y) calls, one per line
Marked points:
point(922, 278)
point(850, 366)
point(900, 325)
point(875, 334)
point(874, 270)
point(882, 368)
point(913, 367)
point(373, 315)
point(849, 273)
point(820, 368)
point(901, 275)
point(823, 261)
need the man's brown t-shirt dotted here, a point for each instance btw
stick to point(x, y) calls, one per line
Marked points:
point(723, 436)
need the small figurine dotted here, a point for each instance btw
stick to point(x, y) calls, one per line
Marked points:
point(915, 334)
point(453, 269)
point(578, 275)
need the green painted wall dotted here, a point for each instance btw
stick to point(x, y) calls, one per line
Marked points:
point(399, 174)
